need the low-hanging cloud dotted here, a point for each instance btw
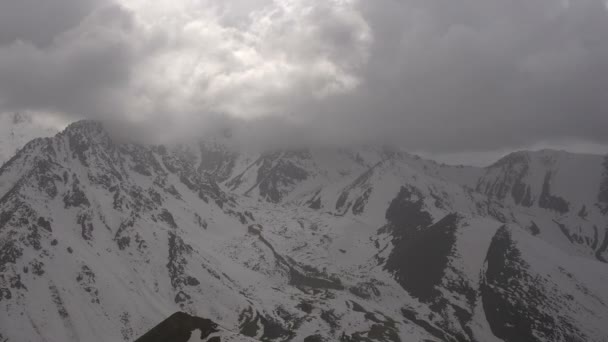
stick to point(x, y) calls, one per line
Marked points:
point(435, 76)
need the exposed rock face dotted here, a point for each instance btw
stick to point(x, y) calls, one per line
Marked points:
point(510, 181)
point(216, 161)
point(277, 173)
point(523, 305)
point(420, 257)
point(531, 178)
point(602, 196)
point(179, 327)
point(272, 178)
point(356, 194)
point(549, 201)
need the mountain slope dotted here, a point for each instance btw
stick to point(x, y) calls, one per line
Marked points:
point(545, 179)
point(101, 240)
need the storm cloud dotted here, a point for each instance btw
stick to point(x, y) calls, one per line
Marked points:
point(433, 76)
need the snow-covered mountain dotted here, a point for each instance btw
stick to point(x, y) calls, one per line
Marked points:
point(17, 129)
point(100, 240)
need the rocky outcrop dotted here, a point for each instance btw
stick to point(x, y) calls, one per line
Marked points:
point(522, 304)
point(549, 201)
point(507, 178)
point(602, 196)
point(180, 327)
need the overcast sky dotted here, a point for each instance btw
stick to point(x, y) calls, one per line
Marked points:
point(447, 78)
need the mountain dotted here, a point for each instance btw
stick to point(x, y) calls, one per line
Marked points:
point(102, 239)
point(16, 129)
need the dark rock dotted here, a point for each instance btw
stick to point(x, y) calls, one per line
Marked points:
point(421, 250)
point(549, 201)
point(341, 200)
point(37, 267)
point(365, 290)
point(191, 281)
point(315, 204)
point(314, 280)
point(75, 197)
point(331, 319)
point(602, 196)
point(512, 170)
point(122, 238)
point(583, 213)
point(167, 217)
point(305, 306)
point(44, 224)
point(279, 171)
point(406, 211)
point(86, 226)
point(534, 228)
point(383, 332)
point(5, 294)
point(16, 283)
point(599, 254)
point(517, 304)
point(56, 297)
point(254, 229)
point(9, 253)
point(179, 328)
point(314, 338)
point(178, 252)
point(360, 202)
point(181, 297)
point(199, 220)
point(428, 327)
point(252, 321)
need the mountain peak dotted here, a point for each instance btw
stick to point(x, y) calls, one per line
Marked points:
point(88, 127)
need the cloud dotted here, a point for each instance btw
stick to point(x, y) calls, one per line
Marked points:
point(488, 74)
point(79, 73)
point(38, 22)
point(281, 51)
point(455, 77)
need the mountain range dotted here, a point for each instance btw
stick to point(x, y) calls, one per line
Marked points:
point(102, 239)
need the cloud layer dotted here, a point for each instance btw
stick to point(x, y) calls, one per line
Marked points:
point(434, 76)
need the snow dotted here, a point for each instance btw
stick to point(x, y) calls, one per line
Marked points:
point(239, 270)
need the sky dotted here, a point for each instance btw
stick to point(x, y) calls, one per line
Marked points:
point(458, 80)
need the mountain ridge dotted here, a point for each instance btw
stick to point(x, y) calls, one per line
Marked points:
point(319, 244)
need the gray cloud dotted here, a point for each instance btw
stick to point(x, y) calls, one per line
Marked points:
point(38, 21)
point(432, 76)
point(489, 74)
point(78, 73)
